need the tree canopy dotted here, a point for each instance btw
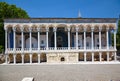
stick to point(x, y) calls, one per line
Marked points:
point(9, 11)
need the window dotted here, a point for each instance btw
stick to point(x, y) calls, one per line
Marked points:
point(87, 44)
point(59, 38)
point(42, 42)
point(78, 41)
point(20, 41)
point(97, 40)
point(32, 45)
point(98, 46)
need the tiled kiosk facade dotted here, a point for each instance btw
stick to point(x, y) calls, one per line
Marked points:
point(52, 40)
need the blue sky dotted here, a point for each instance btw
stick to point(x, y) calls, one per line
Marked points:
point(69, 8)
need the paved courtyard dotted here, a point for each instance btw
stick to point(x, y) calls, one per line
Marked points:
point(61, 72)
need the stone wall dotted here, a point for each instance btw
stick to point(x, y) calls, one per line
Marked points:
point(62, 57)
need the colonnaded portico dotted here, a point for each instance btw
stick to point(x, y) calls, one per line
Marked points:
point(60, 40)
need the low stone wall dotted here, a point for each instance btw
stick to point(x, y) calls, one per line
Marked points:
point(62, 57)
point(2, 58)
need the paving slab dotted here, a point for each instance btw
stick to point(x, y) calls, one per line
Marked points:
point(61, 72)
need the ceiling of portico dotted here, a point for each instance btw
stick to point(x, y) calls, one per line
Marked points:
point(43, 27)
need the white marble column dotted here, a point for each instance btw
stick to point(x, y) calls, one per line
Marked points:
point(6, 38)
point(14, 56)
point(55, 44)
point(92, 56)
point(14, 30)
point(100, 28)
point(115, 58)
point(68, 38)
point(6, 60)
point(6, 56)
point(77, 37)
point(38, 32)
point(107, 29)
point(85, 57)
point(107, 56)
point(84, 38)
point(30, 30)
point(92, 41)
point(30, 58)
point(38, 58)
point(100, 56)
point(47, 30)
point(22, 58)
point(22, 38)
point(115, 39)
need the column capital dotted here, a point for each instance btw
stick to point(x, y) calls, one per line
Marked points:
point(22, 29)
point(76, 28)
point(47, 29)
point(30, 29)
point(107, 28)
point(38, 29)
point(68, 29)
point(85, 28)
point(14, 28)
point(54, 29)
point(115, 29)
point(100, 28)
point(5, 28)
point(92, 29)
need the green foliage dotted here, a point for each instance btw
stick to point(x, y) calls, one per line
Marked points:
point(1, 49)
point(9, 11)
point(118, 37)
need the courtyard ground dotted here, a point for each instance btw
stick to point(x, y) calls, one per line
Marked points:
point(61, 72)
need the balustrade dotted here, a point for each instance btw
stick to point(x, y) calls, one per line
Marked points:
point(58, 48)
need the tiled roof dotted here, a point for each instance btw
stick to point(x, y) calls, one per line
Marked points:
point(62, 20)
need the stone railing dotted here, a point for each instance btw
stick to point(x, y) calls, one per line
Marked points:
point(58, 48)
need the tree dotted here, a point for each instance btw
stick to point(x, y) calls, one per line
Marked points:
point(118, 36)
point(9, 11)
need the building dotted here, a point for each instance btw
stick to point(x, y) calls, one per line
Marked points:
point(51, 40)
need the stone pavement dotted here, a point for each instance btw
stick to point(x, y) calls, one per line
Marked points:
point(61, 72)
